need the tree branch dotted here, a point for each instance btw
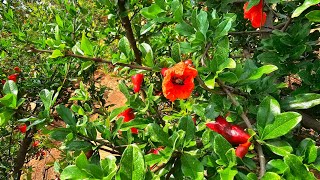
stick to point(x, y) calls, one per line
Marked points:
point(96, 59)
point(129, 33)
point(258, 146)
point(205, 54)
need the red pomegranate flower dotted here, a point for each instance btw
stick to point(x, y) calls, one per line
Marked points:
point(178, 81)
point(13, 77)
point(128, 115)
point(255, 14)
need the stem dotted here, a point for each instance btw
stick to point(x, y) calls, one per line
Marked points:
point(96, 59)
point(129, 33)
point(205, 54)
point(258, 146)
point(19, 161)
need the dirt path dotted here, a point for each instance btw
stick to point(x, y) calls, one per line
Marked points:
point(43, 168)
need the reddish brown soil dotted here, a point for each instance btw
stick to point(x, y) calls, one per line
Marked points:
point(43, 168)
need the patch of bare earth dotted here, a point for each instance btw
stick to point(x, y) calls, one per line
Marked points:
point(43, 167)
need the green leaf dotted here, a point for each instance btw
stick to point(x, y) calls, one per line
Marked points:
point(277, 166)
point(314, 16)
point(221, 146)
point(268, 109)
point(157, 134)
point(184, 29)
point(186, 123)
point(78, 146)
point(9, 100)
point(270, 175)
point(266, 69)
point(147, 27)
point(124, 46)
point(73, 172)
point(10, 87)
point(59, 21)
point(177, 9)
point(151, 12)
point(109, 167)
point(252, 3)
point(280, 148)
point(228, 77)
point(147, 54)
point(301, 101)
point(82, 161)
point(137, 122)
point(66, 115)
point(5, 117)
point(59, 134)
point(308, 150)
point(297, 169)
point(86, 46)
point(223, 29)
point(176, 53)
point(56, 53)
point(227, 173)
point(46, 97)
point(282, 124)
point(132, 163)
point(202, 22)
point(303, 7)
point(191, 167)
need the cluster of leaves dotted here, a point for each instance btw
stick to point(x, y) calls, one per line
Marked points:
point(57, 43)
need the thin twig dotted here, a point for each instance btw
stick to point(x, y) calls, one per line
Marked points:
point(262, 160)
point(96, 59)
point(287, 24)
point(129, 33)
point(250, 32)
point(205, 54)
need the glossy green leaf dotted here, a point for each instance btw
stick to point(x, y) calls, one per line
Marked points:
point(73, 172)
point(66, 115)
point(56, 53)
point(86, 45)
point(282, 124)
point(9, 100)
point(303, 7)
point(192, 167)
point(151, 12)
point(137, 123)
point(147, 54)
point(276, 165)
point(59, 134)
point(46, 97)
point(221, 146)
point(10, 87)
point(202, 22)
point(308, 150)
point(132, 163)
point(280, 148)
point(223, 29)
point(266, 69)
point(271, 175)
point(297, 169)
point(268, 109)
point(5, 116)
point(229, 77)
point(314, 16)
point(78, 145)
point(184, 29)
point(157, 134)
point(301, 101)
point(227, 173)
point(59, 20)
point(109, 167)
point(176, 53)
point(82, 161)
point(186, 124)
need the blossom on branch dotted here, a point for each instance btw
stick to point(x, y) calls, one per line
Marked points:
point(178, 82)
point(255, 14)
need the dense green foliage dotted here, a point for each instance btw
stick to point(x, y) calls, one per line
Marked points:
point(268, 78)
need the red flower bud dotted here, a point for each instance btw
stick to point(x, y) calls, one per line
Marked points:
point(17, 69)
point(35, 144)
point(194, 119)
point(22, 128)
point(242, 149)
point(233, 133)
point(127, 116)
point(163, 71)
point(137, 81)
point(189, 62)
point(3, 81)
point(13, 77)
point(89, 153)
